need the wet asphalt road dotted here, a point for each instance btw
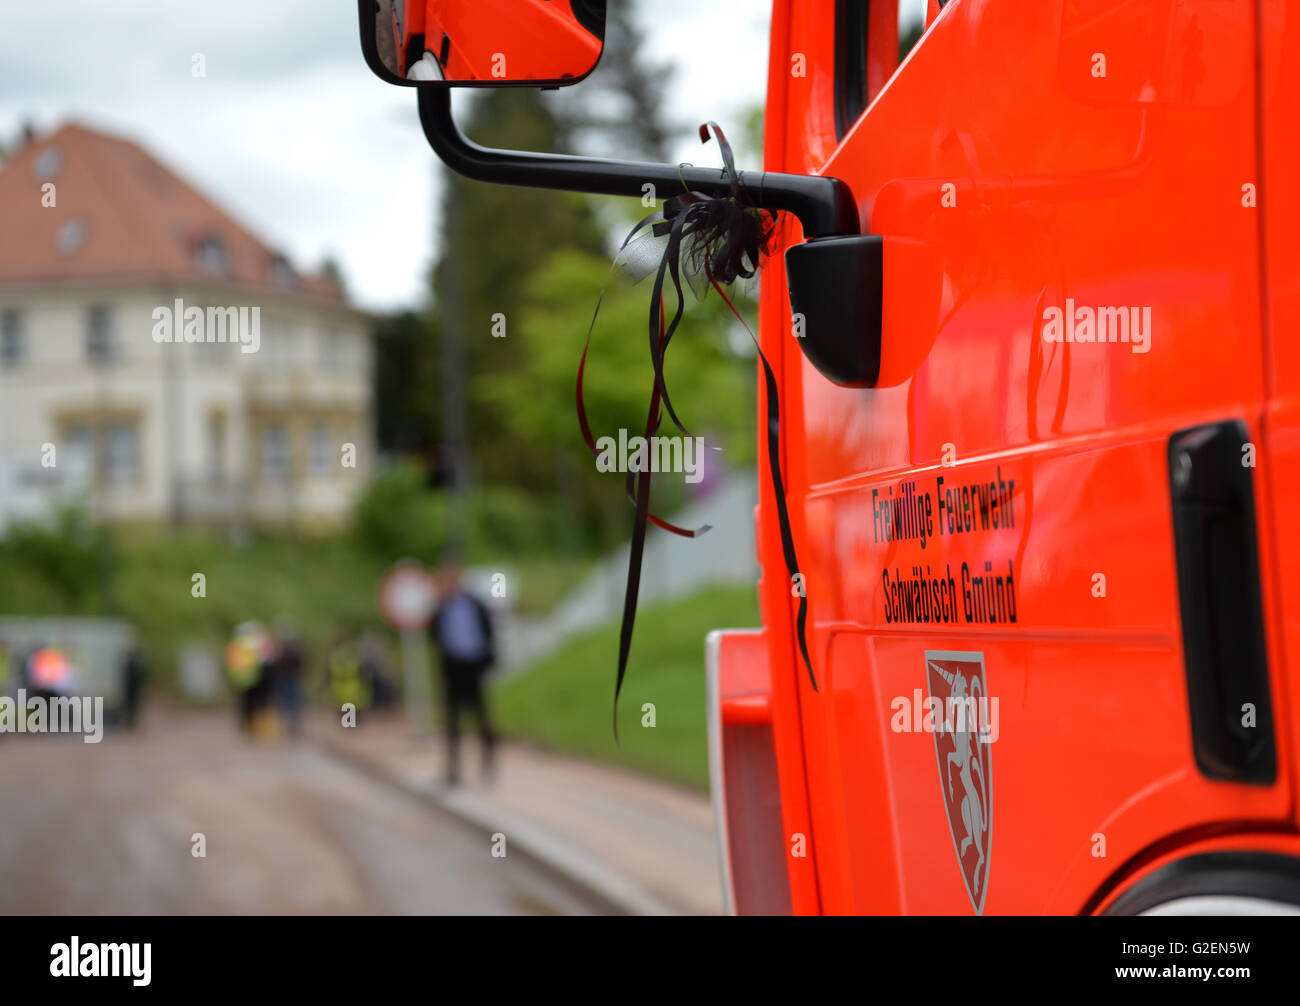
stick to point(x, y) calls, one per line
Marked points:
point(107, 829)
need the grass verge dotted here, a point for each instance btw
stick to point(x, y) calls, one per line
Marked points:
point(564, 702)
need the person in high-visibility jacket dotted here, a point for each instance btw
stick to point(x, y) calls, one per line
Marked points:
point(246, 656)
point(347, 681)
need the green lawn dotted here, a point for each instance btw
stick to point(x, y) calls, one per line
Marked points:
point(544, 581)
point(565, 701)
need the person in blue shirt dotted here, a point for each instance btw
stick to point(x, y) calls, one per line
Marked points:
point(461, 632)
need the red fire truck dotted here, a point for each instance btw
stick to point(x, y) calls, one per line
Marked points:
point(1032, 329)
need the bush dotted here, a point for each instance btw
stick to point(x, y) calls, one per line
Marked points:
point(67, 552)
point(398, 516)
point(510, 521)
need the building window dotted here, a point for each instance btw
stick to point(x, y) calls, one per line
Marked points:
point(79, 452)
point(334, 351)
point(47, 164)
point(12, 348)
point(274, 458)
point(320, 451)
point(71, 236)
point(100, 346)
point(211, 257)
point(121, 453)
point(279, 344)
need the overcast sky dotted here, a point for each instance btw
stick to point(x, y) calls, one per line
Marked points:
point(289, 130)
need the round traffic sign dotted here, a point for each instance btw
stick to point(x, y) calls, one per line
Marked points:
point(408, 595)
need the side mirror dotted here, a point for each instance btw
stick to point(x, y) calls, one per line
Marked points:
point(539, 43)
point(536, 38)
point(823, 204)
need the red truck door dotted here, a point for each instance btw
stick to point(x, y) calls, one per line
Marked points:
point(1068, 284)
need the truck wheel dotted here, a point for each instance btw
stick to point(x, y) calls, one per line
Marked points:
point(1217, 883)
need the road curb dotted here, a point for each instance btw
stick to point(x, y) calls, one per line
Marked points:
point(549, 851)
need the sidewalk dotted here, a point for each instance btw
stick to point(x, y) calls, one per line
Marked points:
point(647, 847)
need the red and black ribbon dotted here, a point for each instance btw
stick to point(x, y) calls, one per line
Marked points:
point(711, 241)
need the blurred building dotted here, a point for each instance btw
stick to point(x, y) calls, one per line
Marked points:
point(98, 244)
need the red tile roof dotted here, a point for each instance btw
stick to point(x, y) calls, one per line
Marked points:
point(137, 220)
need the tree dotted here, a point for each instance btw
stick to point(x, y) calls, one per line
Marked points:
point(619, 108)
point(406, 415)
point(492, 239)
point(712, 388)
point(517, 271)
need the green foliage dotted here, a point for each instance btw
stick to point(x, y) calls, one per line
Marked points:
point(399, 517)
point(407, 371)
point(506, 521)
point(493, 238)
point(68, 553)
point(712, 390)
point(66, 568)
point(564, 702)
point(630, 125)
point(546, 580)
point(321, 587)
point(536, 261)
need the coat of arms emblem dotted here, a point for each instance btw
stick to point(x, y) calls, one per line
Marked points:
point(964, 752)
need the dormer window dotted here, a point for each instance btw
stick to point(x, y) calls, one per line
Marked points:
point(71, 236)
point(47, 164)
point(211, 256)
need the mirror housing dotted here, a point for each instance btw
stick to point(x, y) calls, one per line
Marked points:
point(836, 293)
point(869, 306)
point(483, 43)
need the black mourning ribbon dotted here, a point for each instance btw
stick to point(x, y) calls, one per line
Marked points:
point(724, 239)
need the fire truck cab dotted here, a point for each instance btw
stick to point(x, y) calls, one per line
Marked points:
point(1051, 547)
point(1031, 318)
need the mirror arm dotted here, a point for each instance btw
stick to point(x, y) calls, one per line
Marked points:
point(825, 206)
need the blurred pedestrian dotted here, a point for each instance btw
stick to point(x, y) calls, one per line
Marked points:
point(246, 655)
point(48, 673)
point(374, 669)
point(348, 685)
point(285, 674)
point(134, 673)
point(462, 634)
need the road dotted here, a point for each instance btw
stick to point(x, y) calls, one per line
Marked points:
point(108, 829)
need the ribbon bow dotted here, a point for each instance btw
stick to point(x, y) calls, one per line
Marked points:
point(712, 241)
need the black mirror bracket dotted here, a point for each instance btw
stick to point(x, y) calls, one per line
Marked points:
point(835, 276)
point(824, 206)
